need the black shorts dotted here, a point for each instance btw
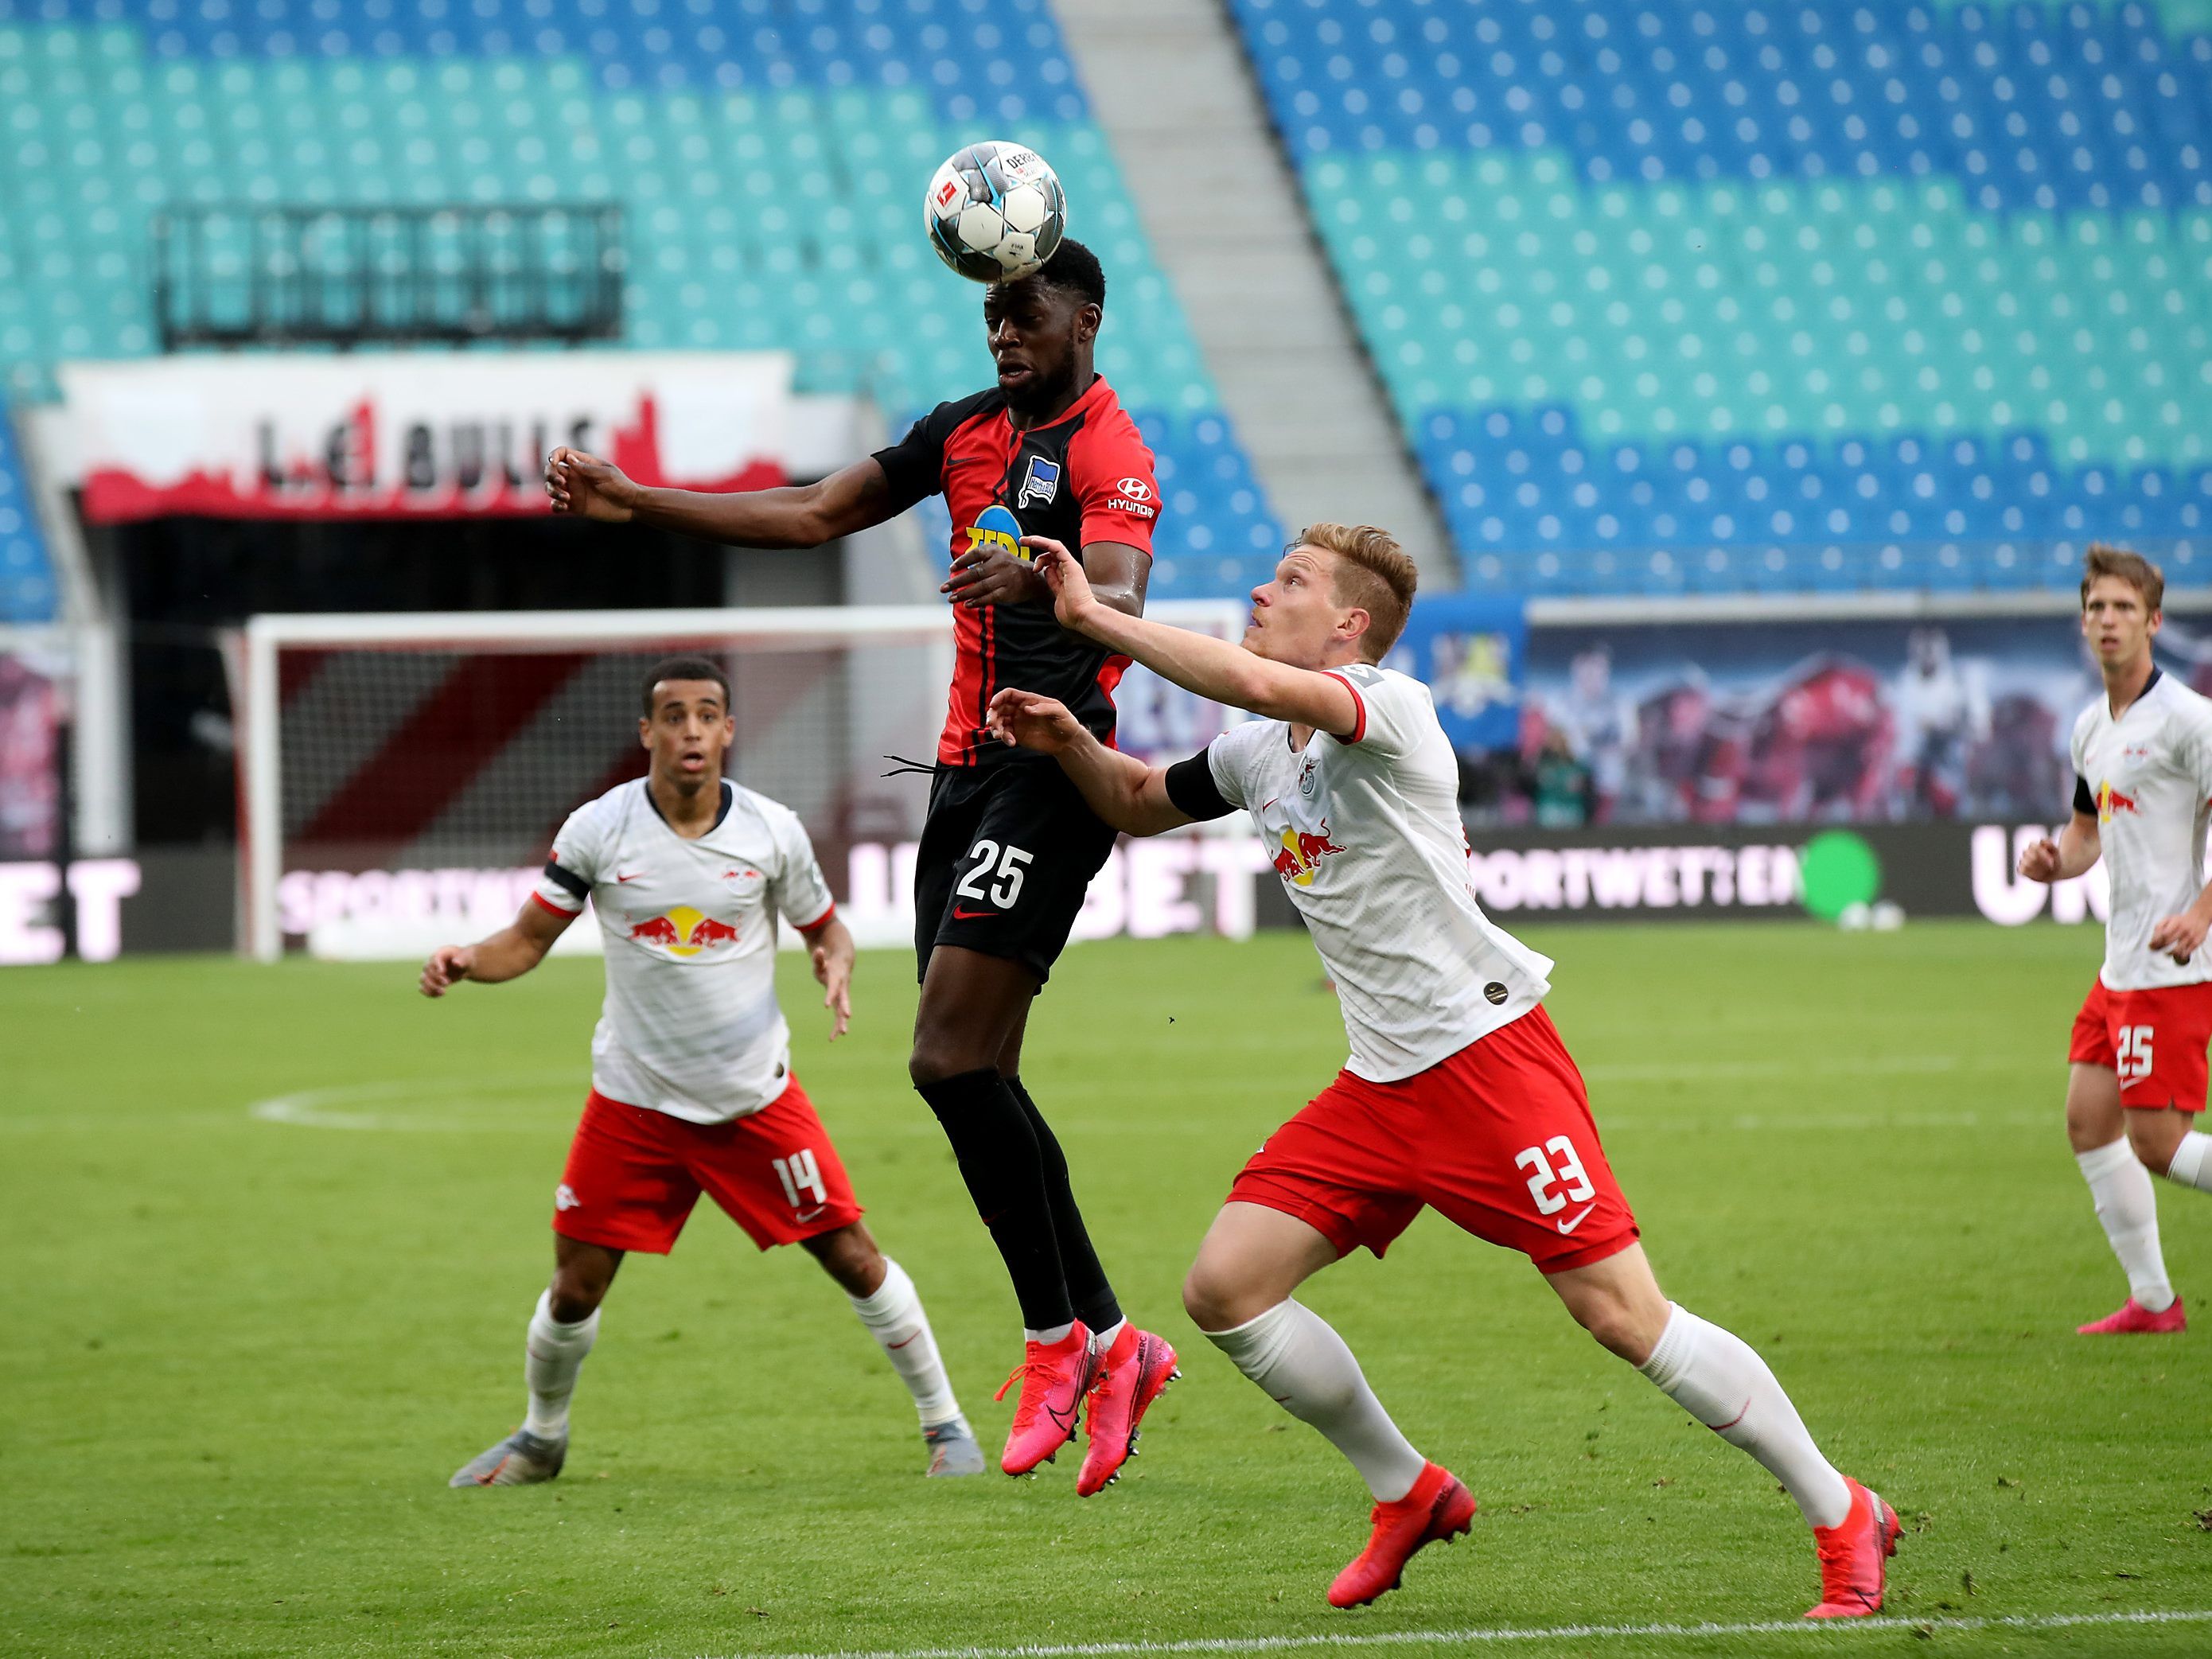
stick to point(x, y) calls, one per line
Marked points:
point(1007, 853)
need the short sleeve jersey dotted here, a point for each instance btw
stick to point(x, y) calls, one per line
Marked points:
point(1365, 833)
point(691, 1025)
point(2148, 776)
point(1086, 478)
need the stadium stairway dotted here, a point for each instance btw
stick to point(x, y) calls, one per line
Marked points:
point(1167, 82)
point(1678, 296)
point(696, 115)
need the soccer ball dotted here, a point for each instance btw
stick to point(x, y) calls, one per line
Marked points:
point(995, 212)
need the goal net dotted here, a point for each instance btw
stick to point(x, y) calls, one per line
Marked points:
point(401, 777)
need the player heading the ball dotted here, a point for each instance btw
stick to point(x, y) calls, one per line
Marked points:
point(2135, 1072)
point(692, 1088)
point(1008, 847)
point(1458, 1095)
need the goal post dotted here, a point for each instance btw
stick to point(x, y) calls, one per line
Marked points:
point(411, 768)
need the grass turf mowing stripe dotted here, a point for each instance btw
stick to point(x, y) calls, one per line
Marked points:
point(1530, 1633)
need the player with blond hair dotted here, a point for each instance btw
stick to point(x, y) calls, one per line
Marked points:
point(2137, 1068)
point(1458, 1095)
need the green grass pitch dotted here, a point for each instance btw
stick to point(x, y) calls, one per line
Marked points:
point(239, 1358)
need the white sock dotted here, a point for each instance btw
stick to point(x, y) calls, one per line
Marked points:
point(1291, 1352)
point(895, 1318)
point(1056, 1333)
point(1721, 1382)
point(2188, 1166)
point(1102, 1340)
point(555, 1353)
point(2120, 1187)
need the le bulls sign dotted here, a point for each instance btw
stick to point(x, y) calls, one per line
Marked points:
point(411, 435)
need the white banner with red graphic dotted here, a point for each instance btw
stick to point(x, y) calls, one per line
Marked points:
point(412, 434)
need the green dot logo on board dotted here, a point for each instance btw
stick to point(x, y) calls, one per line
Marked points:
point(1837, 870)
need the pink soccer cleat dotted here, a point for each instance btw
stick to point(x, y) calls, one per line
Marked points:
point(1054, 1377)
point(2133, 1319)
point(1132, 1374)
point(1437, 1508)
point(1852, 1556)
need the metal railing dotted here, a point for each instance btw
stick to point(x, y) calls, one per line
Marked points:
point(232, 275)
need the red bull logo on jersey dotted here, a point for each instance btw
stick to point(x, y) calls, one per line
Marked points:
point(684, 932)
point(1302, 853)
point(997, 531)
point(2111, 803)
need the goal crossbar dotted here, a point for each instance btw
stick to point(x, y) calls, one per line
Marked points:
point(260, 696)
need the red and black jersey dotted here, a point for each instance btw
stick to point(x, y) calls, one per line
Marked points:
point(1086, 478)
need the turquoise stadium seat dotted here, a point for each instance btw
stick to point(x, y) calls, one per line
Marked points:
point(703, 123)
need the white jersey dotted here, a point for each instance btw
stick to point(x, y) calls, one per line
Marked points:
point(1366, 835)
point(2148, 776)
point(691, 1026)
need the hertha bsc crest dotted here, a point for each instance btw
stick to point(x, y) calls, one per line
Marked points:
point(1042, 482)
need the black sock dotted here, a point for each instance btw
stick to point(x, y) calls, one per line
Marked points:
point(1088, 1291)
point(1000, 1162)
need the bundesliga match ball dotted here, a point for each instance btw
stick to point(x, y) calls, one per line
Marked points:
point(995, 212)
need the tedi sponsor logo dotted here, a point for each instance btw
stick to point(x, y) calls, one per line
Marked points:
point(997, 531)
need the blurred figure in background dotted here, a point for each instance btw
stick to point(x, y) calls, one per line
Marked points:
point(1942, 711)
point(1561, 787)
point(1600, 727)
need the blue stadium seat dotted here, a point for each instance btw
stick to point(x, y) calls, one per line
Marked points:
point(1911, 282)
point(28, 592)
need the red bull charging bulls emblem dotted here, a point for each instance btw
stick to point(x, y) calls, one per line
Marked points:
point(684, 932)
point(2111, 803)
point(1302, 853)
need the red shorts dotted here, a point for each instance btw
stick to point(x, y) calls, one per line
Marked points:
point(633, 1175)
point(2153, 1039)
point(1498, 1138)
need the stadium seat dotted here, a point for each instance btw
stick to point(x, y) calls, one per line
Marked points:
point(1869, 229)
point(695, 120)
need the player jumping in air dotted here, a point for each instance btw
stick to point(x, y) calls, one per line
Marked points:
point(1458, 1093)
point(2142, 767)
point(691, 1083)
point(1009, 847)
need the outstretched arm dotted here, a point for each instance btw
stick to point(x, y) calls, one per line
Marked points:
point(801, 515)
point(509, 954)
point(1120, 788)
point(1213, 668)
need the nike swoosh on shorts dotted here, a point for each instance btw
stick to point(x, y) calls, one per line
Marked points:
point(1568, 1226)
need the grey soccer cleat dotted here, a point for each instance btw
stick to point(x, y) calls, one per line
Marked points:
point(952, 1450)
point(520, 1460)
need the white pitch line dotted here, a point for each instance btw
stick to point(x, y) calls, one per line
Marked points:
point(448, 1106)
point(330, 1108)
point(1530, 1633)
